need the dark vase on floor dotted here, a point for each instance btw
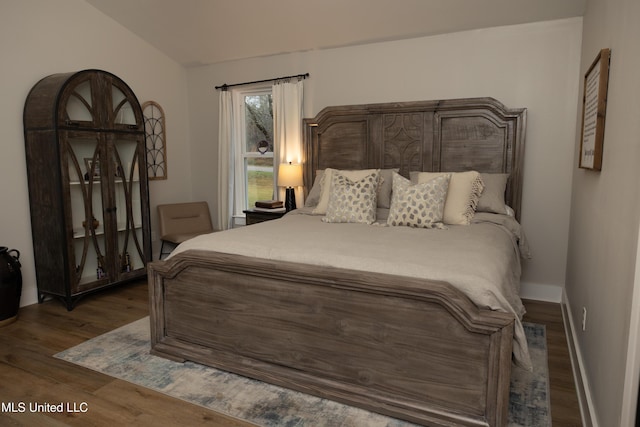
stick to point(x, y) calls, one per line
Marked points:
point(10, 285)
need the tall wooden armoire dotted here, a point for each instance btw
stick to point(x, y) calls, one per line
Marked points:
point(88, 187)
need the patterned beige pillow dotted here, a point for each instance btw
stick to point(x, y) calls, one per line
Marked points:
point(352, 201)
point(326, 183)
point(318, 197)
point(418, 205)
point(464, 192)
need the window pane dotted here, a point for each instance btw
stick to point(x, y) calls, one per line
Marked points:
point(259, 124)
point(259, 179)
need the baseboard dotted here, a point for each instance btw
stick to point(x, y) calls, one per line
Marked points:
point(540, 292)
point(589, 418)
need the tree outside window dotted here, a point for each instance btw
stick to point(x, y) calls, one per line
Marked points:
point(258, 147)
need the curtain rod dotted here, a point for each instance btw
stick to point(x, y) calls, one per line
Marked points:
point(226, 86)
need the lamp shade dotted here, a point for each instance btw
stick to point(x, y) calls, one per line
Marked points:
point(289, 175)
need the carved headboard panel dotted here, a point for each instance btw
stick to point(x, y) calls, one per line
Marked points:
point(449, 136)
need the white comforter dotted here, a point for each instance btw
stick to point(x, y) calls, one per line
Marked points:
point(482, 259)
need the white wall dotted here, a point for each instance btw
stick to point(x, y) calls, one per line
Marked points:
point(531, 65)
point(42, 37)
point(605, 212)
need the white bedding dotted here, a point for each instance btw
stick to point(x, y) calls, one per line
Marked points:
point(481, 259)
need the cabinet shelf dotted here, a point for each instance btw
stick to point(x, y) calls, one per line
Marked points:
point(79, 232)
point(98, 182)
point(77, 123)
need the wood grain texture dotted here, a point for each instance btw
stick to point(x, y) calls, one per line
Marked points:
point(565, 409)
point(30, 371)
point(255, 217)
point(449, 135)
point(417, 350)
point(56, 184)
point(405, 347)
point(31, 374)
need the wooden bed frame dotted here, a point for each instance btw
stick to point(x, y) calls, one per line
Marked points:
point(413, 349)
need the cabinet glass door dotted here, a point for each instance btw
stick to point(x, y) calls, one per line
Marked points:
point(79, 110)
point(127, 167)
point(123, 113)
point(83, 159)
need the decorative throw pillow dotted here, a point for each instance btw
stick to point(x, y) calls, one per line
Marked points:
point(418, 205)
point(352, 201)
point(314, 194)
point(492, 197)
point(326, 182)
point(464, 192)
point(385, 183)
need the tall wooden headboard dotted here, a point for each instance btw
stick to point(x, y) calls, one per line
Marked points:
point(449, 135)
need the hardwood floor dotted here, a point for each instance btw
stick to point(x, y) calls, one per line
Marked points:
point(565, 409)
point(29, 374)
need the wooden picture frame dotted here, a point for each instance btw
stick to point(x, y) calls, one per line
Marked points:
point(594, 107)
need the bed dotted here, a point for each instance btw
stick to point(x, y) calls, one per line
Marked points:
point(290, 303)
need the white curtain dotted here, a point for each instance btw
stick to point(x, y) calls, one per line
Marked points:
point(287, 128)
point(225, 162)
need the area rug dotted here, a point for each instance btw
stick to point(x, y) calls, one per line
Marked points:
point(124, 354)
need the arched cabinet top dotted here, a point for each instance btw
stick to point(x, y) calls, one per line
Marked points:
point(88, 99)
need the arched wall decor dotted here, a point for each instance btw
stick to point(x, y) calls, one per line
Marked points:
point(156, 140)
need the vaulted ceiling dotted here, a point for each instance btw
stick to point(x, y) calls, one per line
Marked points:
point(200, 32)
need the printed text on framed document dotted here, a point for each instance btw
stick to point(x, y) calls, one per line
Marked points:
point(594, 106)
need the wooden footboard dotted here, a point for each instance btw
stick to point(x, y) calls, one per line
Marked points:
point(408, 348)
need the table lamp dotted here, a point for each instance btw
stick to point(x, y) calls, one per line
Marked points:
point(290, 176)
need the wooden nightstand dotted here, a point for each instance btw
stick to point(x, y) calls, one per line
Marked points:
point(254, 217)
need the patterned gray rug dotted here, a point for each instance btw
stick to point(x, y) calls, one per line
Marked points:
point(124, 354)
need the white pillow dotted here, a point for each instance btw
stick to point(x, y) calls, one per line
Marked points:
point(418, 205)
point(464, 192)
point(325, 185)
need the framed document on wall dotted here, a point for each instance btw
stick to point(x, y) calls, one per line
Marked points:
point(594, 107)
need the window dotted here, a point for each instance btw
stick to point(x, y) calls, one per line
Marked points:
point(254, 153)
